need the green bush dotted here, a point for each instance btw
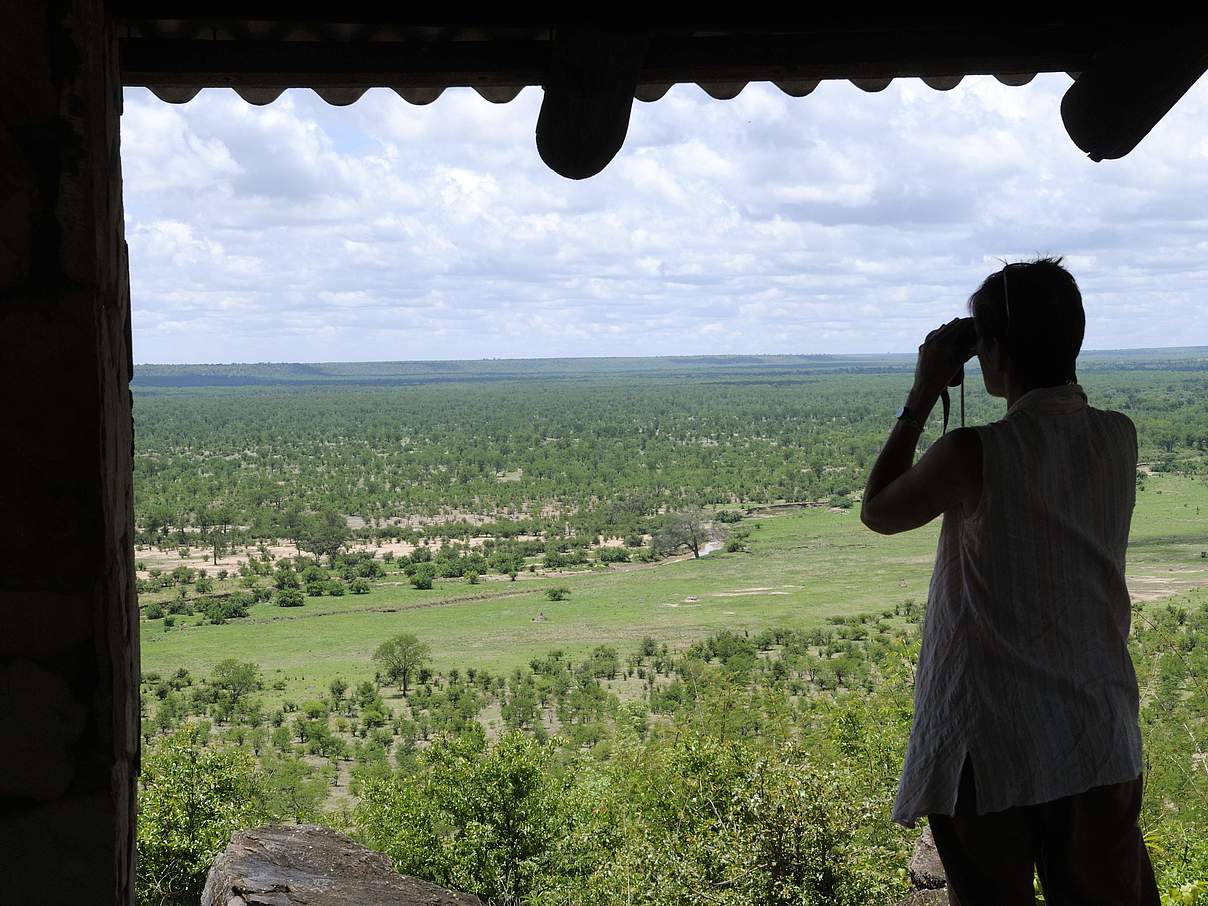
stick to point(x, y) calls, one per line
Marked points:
point(423, 575)
point(492, 821)
point(191, 799)
point(290, 597)
point(230, 607)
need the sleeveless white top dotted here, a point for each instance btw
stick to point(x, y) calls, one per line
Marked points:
point(1024, 665)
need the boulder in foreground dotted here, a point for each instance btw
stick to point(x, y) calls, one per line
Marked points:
point(316, 866)
point(935, 897)
point(926, 869)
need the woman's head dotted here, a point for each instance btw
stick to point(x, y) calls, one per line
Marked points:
point(1030, 324)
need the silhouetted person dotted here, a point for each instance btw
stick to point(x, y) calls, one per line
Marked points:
point(1025, 752)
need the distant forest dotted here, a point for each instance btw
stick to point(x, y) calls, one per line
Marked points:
point(1186, 358)
point(579, 446)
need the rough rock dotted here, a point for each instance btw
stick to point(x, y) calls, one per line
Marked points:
point(926, 869)
point(937, 897)
point(316, 866)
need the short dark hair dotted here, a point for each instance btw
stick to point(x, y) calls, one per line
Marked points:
point(1044, 334)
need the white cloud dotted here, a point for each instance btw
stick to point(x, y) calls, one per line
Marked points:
point(842, 221)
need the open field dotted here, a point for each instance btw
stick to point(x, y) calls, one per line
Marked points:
point(804, 567)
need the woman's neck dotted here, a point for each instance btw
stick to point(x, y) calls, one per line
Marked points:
point(1017, 388)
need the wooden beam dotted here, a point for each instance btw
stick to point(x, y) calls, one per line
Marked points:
point(1129, 87)
point(318, 64)
point(588, 97)
point(803, 56)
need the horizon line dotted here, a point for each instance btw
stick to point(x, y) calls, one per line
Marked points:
point(572, 358)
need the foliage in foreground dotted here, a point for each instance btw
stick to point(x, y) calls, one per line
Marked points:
point(679, 820)
point(753, 772)
point(191, 800)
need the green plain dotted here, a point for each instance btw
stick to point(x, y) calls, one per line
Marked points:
point(803, 567)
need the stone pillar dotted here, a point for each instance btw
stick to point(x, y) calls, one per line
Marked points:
point(68, 613)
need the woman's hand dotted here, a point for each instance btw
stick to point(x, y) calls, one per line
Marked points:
point(943, 353)
point(900, 496)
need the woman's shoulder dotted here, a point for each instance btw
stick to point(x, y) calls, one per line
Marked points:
point(1118, 422)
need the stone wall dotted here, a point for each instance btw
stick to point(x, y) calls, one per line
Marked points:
point(68, 626)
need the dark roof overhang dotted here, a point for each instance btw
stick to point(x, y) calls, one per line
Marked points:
point(1127, 74)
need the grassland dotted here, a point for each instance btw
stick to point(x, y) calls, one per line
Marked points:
point(804, 566)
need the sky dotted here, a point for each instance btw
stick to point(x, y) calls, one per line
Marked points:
point(841, 222)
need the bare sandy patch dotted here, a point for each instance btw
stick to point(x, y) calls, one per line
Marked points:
point(1154, 588)
point(168, 558)
point(748, 592)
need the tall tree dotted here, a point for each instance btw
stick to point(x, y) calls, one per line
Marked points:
point(220, 527)
point(683, 528)
point(402, 656)
point(236, 679)
point(324, 535)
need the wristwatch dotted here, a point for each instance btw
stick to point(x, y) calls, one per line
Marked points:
point(906, 414)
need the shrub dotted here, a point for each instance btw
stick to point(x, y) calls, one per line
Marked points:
point(359, 587)
point(488, 820)
point(336, 588)
point(218, 790)
point(153, 612)
point(233, 606)
point(180, 606)
point(559, 593)
point(290, 597)
point(423, 575)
